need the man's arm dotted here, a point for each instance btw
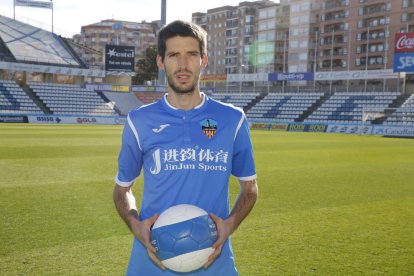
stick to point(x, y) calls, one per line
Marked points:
point(125, 205)
point(244, 204)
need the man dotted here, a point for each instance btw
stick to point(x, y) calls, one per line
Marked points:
point(187, 145)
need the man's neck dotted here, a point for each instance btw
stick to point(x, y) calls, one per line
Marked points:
point(185, 101)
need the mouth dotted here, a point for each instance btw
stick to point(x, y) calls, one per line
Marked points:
point(183, 77)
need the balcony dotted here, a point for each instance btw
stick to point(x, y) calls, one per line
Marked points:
point(335, 28)
point(231, 14)
point(372, 48)
point(373, 61)
point(250, 11)
point(365, 2)
point(232, 33)
point(335, 16)
point(374, 9)
point(374, 22)
point(373, 35)
point(336, 63)
point(335, 4)
point(231, 52)
point(336, 52)
point(232, 23)
point(230, 43)
point(410, 17)
point(408, 4)
point(327, 41)
point(231, 62)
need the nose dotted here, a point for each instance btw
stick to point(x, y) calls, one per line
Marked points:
point(182, 62)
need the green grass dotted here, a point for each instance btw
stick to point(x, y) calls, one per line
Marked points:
point(329, 204)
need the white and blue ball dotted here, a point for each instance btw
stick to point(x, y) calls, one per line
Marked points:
point(183, 236)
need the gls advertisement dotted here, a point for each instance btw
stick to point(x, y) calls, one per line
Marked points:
point(119, 58)
point(56, 119)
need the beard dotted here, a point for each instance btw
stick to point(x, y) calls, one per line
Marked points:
point(181, 88)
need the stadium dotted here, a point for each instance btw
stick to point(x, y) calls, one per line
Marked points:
point(334, 155)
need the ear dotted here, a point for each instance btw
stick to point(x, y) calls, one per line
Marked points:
point(160, 64)
point(204, 61)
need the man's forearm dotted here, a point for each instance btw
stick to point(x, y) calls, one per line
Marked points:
point(125, 204)
point(244, 202)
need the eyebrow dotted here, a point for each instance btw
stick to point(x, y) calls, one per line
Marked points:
point(188, 52)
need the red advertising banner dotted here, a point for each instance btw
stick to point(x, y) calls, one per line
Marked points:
point(404, 42)
point(213, 77)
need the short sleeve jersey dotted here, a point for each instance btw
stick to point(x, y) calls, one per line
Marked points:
point(186, 157)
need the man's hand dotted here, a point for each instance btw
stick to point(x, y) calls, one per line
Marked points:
point(125, 205)
point(242, 207)
point(224, 230)
point(142, 230)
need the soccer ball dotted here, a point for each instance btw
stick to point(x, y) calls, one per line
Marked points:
point(183, 236)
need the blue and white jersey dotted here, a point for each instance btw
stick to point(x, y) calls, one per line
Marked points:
point(187, 157)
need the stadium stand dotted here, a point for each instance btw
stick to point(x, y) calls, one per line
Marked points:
point(285, 107)
point(30, 44)
point(125, 102)
point(243, 100)
point(345, 107)
point(404, 114)
point(5, 54)
point(71, 99)
point(13, 100)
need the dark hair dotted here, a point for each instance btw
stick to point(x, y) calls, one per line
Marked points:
point(184, 29)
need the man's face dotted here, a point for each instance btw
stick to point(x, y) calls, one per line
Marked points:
point(182, 63)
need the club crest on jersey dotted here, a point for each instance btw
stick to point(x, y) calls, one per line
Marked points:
point(209, 127)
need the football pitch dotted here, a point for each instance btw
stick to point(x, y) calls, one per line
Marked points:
point(329, 204)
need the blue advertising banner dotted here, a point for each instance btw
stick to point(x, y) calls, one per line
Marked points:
point(290, 76)
point(404, 62)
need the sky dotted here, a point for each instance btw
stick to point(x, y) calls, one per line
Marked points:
point(70, 15)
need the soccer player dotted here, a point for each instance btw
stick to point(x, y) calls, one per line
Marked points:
point(187, 146)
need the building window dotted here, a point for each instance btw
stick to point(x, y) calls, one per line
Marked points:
point(303, 44)
point(303, 56)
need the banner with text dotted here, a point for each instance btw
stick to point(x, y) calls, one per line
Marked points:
point(356, 75)
point(404, 62)
point(290, 76)
point(213, 78)
point(404, 52)
point(394, 131)
point(83, 120)
point(247, 77)
point(119, 58)
point(404, 42)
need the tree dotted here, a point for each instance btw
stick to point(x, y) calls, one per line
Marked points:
point(147, 66)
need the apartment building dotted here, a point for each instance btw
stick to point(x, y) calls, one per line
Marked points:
point(303, 25)
point(231, 37)
point(305, 35)
point(90, 43)
point(272, 38)
point(359, 34)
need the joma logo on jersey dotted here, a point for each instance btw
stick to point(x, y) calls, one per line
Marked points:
point(189, 159)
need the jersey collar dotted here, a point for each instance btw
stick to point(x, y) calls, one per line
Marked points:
point(176, 111)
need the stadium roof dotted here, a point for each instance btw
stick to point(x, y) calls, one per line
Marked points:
point(33, 45)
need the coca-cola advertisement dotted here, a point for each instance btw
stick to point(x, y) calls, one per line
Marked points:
point(404, 42)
